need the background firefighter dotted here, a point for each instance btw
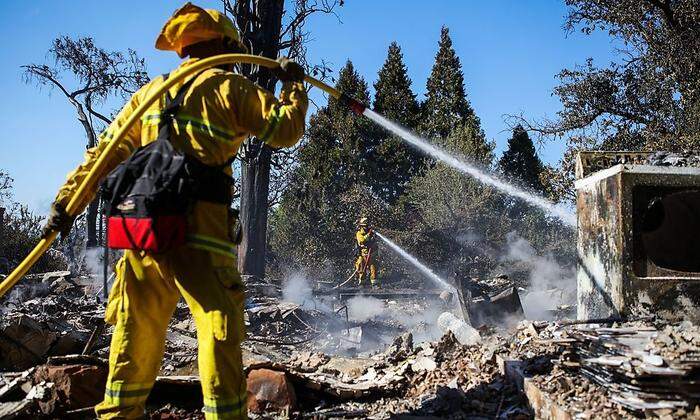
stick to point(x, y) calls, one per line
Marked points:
point(366, 253)
point(220, 109)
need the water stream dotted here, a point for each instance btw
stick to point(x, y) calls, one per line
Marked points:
point(419, 265)
point(562, 213)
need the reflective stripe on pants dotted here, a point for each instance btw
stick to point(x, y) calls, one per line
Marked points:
point(141, 304)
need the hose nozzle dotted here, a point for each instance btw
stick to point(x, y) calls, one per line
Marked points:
point(356, 106)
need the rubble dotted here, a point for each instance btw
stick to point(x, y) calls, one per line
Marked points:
point(270, 391)
point(643, 368)
point(685, 159)
point(504, 307)
point(313, 360)
point(269, 317)
point(75, 386)
point(465, 333)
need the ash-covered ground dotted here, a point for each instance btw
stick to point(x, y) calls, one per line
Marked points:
point(315, 353)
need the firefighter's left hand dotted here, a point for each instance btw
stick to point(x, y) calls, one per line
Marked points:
point(57, 221)
point(288, 71)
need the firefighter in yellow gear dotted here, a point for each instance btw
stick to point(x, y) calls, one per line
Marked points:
point(219, 111)
point(367, 254)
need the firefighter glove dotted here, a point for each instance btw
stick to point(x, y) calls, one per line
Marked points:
point(58, 221)
point(288, 71)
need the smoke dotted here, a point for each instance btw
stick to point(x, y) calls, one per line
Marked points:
point(468, 238)
point(296, 289)
point(545, 271)
point(93, 260)
point(422, 323)
point(551, 284)
point(363, 308)
point(420, 319)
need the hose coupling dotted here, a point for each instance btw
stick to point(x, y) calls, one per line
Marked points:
point(356, 106)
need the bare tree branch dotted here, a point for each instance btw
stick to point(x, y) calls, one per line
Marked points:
point(97, 114)
point(97, 75)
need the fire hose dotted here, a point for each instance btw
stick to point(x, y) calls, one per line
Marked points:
point(362, 269)
point(90, 181)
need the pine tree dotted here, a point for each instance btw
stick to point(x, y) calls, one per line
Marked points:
point(470, 142)
point(446, 105)
point(395, 100)
point(520, 162)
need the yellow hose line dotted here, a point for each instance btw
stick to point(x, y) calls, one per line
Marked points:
point(91, 179)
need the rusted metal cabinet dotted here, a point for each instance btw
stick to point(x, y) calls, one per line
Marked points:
point(638, 238)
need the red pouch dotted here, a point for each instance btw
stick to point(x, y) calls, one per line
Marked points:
point(152, 234)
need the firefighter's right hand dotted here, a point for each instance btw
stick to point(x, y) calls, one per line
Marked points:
point(57, 221)
point(288, 70)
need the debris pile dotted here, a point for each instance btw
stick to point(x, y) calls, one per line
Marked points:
point(488, 286)
point(442, 378)
point(624, 371)
point(63, 387)
point(642, 367)
point(358, 358)
point(684, 159)
point(47, 315)
point(269, 317)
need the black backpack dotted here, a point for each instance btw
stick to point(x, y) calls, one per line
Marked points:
point(147, 197)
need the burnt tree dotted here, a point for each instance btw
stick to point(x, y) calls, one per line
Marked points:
point(267, 29)
point(96, 75)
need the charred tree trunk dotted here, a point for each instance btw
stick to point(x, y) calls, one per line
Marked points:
point(92, 210)
point(255, 183)
point(261, 26)
point(91, 221)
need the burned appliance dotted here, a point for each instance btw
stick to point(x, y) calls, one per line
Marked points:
point(638, 236)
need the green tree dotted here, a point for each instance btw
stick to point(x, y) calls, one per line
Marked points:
point(20, 230)
point(450, 208)
point(647, 98)
point(393, 95)
point(442, 207)
point(446, 105)
point(395, 100)
point(520, 162)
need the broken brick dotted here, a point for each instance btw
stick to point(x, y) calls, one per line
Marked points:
point(75, 386)
point(270, 391)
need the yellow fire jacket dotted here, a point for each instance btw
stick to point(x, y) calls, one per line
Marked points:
point(220, 110)
point(365, 241)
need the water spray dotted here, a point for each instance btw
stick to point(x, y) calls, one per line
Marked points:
point(414, 261)
point(442, 155)
point(423, 145)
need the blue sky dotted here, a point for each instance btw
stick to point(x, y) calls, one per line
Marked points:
point(510, 51)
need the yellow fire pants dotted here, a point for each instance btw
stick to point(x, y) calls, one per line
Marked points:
point(359, 264)
point(140, 306)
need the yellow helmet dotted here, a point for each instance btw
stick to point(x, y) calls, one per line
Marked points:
point(191, 24)
point(363, 222)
